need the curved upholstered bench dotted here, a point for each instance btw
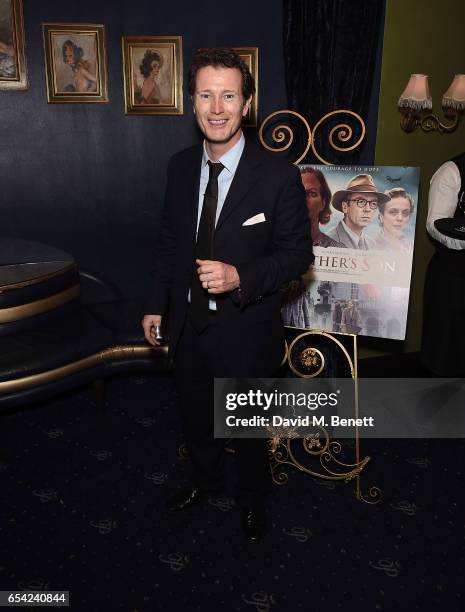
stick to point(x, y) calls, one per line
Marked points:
point(50, 340)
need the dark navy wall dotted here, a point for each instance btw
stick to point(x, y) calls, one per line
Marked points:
point(87, 178)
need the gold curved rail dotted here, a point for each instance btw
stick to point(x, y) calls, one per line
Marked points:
point(24, 311)
point(111, 353)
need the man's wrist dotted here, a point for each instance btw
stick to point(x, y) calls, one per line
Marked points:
point(237, 279)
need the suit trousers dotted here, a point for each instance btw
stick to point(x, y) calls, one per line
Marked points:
point(198, 360)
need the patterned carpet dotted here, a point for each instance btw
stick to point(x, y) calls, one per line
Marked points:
point(82, 510)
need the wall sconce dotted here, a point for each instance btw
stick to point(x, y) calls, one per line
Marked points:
point(416, 101)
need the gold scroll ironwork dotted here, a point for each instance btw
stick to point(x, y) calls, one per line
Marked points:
point(318, 445)
point(340, 133)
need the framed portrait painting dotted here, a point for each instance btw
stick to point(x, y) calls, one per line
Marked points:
point(250, 57)
point(153, 75)
point(75, 62)
point(13, 69)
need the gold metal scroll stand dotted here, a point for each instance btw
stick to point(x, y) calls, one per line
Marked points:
point(307, 361)
point(343, 132)
point(319, 445)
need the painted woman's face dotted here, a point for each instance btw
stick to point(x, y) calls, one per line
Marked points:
point(68, 55)
point(155, 68)
point(313, 197)
point(396, 216)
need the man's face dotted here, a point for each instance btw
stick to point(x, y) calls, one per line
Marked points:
point(219, 104)
point(357, 217)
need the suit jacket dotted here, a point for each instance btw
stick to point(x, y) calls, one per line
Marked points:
point(265, 254)
point(340, 234)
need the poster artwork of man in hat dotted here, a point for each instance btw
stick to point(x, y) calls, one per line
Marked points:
point(359, 202)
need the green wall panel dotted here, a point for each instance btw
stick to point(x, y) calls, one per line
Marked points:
point(427, 37)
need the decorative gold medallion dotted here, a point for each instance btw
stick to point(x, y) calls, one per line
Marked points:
point(313, 360)
point(306, 361)
point(317, 353)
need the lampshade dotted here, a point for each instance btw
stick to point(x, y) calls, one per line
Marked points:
point(416, 95)
point(455, 95)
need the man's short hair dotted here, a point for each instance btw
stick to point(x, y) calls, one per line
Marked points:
point(226, 58)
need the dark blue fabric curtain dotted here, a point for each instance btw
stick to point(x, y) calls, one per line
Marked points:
point(331, 51)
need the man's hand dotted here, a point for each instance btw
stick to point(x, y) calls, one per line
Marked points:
point(148, 323)
point(216, 276)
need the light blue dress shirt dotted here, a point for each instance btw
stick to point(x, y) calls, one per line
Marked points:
point(230, 161)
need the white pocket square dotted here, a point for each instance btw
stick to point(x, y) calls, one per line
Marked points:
point(260, 218)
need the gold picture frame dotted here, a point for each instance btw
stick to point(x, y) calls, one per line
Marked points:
point(250, 57)
point(13, 66)
point(75, 63)
point(153, 75)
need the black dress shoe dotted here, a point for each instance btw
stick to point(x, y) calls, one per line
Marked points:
point(253, 523)
point(185, 498)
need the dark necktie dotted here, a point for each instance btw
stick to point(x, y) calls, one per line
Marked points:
point(203, 248)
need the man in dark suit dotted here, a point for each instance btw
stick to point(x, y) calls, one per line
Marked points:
point(234, 230)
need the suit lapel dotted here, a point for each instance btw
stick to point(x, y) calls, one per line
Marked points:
point(243, 181)
point(191, 185)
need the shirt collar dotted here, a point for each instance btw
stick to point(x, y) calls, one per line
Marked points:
point(352, 235)
point(230, 159)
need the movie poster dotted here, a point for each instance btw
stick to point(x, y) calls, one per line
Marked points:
point(363, 230)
